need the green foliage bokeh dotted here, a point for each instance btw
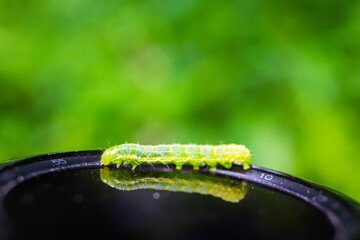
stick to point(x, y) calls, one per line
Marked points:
point(281, 77)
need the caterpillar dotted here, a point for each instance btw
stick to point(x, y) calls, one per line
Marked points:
point(136, 154)
point(223, 188)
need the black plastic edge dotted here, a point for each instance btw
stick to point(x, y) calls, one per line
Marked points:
point(342, 211)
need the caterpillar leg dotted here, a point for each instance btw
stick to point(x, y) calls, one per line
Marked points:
point(212, 167)
point(227, 164)
point(196, 167)
point(133, 166)
point(245, 165)
point(178, 166)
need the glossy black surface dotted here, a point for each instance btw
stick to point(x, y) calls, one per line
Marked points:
point(61, 196)
point(77, 204)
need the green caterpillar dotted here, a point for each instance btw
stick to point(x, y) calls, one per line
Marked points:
point(136, 154)
point(224, 188)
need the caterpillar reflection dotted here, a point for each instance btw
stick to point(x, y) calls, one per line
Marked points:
point(223, 188)
point(136, 154)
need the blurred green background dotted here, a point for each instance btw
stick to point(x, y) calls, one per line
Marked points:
point(282, 77)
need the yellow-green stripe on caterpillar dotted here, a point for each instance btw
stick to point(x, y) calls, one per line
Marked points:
point(136, 154)
point(223, 188)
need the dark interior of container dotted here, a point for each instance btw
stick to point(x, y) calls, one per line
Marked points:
point(73, 204)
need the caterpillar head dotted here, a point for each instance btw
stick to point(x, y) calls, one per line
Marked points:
point(106, 157)
point(241, 154)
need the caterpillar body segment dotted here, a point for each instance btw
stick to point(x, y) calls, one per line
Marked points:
point(136, 154)
point(222, 188)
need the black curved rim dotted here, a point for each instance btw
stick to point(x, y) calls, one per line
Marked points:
point(342, 212)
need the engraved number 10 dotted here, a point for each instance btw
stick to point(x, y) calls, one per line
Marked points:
point(266, 176)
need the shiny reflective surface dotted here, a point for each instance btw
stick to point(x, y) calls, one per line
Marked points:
point(77, 204)
point(225, 188)
point(61, 195)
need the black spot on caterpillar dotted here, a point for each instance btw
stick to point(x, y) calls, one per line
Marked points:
point(136, 154)
point(127, 180)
